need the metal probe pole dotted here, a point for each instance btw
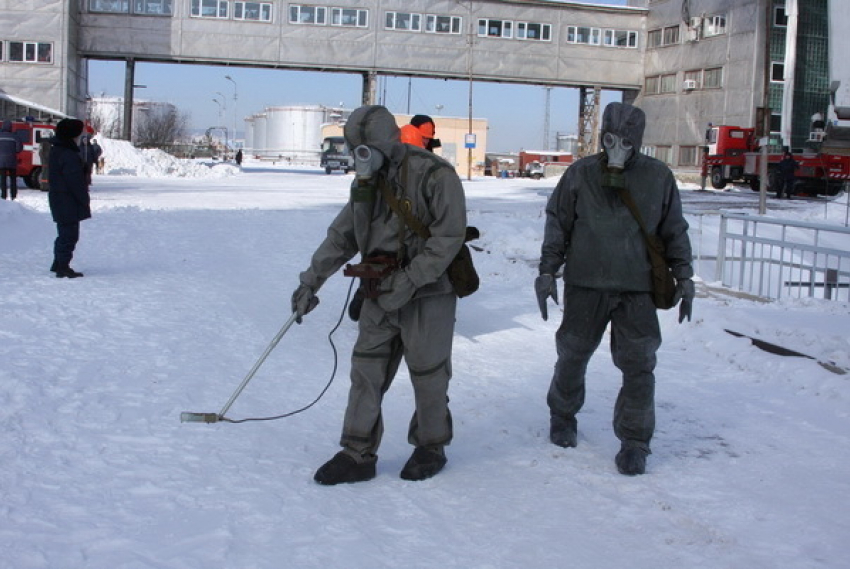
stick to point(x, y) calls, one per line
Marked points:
point(212, 418)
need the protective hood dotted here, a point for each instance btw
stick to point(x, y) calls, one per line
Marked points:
point(375, 126)
point(626, 121)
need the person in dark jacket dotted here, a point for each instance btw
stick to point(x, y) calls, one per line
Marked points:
point(787, 167)
point(608, 279)
point(10, 146)
point(69, 194)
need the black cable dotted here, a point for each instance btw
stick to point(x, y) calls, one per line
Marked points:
point(327, 386)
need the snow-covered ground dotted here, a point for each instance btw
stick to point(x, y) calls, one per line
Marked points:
point(188, 278)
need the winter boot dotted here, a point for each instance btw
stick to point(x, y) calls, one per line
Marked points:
point(563, 431)
point(631, 460)
point(67, 272)
point(53, 267)
point(424, 463)
point(342, 468)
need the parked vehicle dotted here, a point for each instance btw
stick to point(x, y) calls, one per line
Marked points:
point(733, 155)
point(336, 155)
point(29, 161)
point(533, 164)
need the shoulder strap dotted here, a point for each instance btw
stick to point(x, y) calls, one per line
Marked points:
point(651, 244)
point(403, 210)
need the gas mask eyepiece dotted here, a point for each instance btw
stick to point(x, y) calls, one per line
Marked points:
point(367, 162)
point(618, 149)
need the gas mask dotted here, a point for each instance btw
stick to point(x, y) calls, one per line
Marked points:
point(368, 162)
point(618, 150)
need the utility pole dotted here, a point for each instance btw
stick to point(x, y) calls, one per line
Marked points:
point(546, 118)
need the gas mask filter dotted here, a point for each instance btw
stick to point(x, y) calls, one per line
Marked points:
point(618, 150)
point(367, 162)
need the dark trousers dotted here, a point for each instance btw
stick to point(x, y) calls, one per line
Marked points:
point(66, 242)
point(635, 337)
point(12, 174)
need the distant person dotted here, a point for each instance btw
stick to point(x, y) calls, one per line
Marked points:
point(787, 167)
point(239, 157)
point(90, 151)
point(98, 156)
point(69, 194)
point(44, 156)
point(421, 132)
point(10, 147)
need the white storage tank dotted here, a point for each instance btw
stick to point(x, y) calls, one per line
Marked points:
point(260, 145)
point(249, 135)
point(294, 132)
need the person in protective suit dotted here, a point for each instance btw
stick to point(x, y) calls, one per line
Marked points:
point(410, 311)
point(607, 279)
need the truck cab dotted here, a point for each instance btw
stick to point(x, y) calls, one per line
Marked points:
point(336, 155)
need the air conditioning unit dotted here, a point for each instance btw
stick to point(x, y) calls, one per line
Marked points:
point(689, 85)
point(691, 35)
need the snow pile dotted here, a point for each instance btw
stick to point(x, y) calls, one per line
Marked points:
point(122, 158)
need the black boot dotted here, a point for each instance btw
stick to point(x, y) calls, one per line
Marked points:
point(631, 460)
point(342, 468)
point(53, 267)
point(424, 463)
point(67, 272)
point(563, 431)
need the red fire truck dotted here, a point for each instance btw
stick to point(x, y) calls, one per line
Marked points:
point(29, 162)
point(733, 156)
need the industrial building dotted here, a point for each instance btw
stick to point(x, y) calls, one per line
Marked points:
point(687, 63)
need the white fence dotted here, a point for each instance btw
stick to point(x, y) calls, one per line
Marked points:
point(777, 258)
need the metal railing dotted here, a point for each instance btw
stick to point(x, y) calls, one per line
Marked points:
point(774, 258)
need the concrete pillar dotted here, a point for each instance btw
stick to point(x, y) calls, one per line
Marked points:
point(370, 87)
point(129, 82)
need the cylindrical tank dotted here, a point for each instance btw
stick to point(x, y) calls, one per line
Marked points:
point(295, 132)
point(249, 135)
point(260, 146)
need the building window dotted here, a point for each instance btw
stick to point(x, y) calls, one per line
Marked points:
point(496, 28)
point(714, 26)
point(152, 7)
point(654, 38)
point(403, 21)
point(585, 35)
point(532, 31)
point(780, 17)
point(30, 52)
point(663, 36)
point(693, 79)
point(620, 38)
point(664, 153)
point(777, 72)
point(671, 35)
point(775, 124)
point(253, 11)
point(316, 15)
point(349, 17)
point(688, 156)
point(712, 78)
point(442, 24)
point(110, 6)
point(653, 85)
point(668, 83)
point(210, 8)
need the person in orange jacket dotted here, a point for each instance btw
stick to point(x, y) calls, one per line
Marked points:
point(420, 132)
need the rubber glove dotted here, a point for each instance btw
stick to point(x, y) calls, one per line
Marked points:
point(303, 301)
point(545, 286)
point(685, 291)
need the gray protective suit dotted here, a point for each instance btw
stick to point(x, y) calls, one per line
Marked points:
point(415, 317)
point(593, 235)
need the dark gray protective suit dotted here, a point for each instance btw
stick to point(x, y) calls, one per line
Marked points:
point(607, 275)
point(415, 317)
